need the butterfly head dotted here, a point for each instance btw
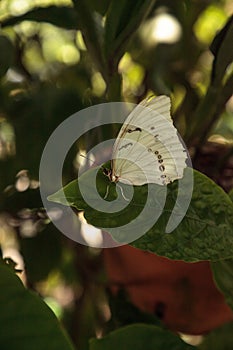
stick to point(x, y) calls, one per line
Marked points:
point(110, 175)
point(114, 178)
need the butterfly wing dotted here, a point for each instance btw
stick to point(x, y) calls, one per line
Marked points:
point(148, 149)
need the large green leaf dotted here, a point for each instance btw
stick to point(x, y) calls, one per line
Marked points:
point(219, 339)
point(205, 233)
point(231, 194)
point(223, 275)
point(26, 321)
point(140, 337)
point(61, 16)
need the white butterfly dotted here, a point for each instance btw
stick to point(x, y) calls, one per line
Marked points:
point(148, 149)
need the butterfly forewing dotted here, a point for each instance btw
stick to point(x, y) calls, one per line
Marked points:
point(148, 149)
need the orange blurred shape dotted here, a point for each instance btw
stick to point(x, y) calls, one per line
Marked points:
point(182, 294)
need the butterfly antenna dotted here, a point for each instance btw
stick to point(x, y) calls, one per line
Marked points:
point(91, 160)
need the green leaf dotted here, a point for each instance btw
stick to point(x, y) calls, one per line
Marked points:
point(205, 233)
point(75, 199)
point(222, 49)
point(7, 54)
point(223, 275)
point(61, 16)
point(122, 20)
point(26, 321)
point(71, 195)
point(123, 312)
point(220, 338)
point(139, 337)
point(231, 195)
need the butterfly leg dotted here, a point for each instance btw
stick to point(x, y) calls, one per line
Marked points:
point(107, 192)
point(122, 193)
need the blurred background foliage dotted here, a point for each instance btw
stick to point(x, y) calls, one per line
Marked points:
point(58, 57)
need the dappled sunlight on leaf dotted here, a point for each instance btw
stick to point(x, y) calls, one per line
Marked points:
point(212, 19)
point(22, 181)
point(163, 28)
point(16, 8)
point(7, 139)
point(79, 41)
point(132, 74)
point(68, 54)
point(192, 339)
point(92, 235)
point(98, 84)
point(10, 246)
